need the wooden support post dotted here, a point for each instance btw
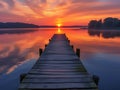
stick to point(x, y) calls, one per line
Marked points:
point(45, 45)
point(40, 51)
point(95, 79)
point(69, 41)
point(22, 76)
point(78, 52)
point(49, 40)
point(72, 46)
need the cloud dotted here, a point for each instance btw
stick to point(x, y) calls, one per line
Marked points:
point(37, 11)
point(46, 8)
point(17, 8)
point(3, 6)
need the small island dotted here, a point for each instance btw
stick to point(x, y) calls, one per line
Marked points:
point(107, 23)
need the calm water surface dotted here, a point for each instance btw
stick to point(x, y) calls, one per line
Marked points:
point(100, 53)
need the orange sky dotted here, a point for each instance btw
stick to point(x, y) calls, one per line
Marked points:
point(52, 12)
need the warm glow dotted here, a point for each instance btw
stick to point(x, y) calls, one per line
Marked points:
point(59, 25)
point(59, 31)
point(58, 12)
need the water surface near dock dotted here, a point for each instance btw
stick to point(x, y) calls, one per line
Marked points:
point(100, 53)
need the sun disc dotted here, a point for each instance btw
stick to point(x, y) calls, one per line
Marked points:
point(59, 25)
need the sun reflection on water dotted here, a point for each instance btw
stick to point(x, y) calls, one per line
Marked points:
point(59, 31)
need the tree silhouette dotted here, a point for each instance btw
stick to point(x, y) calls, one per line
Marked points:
point(17, 25)
point(107, 23)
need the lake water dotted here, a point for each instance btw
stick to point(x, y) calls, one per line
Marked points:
point(100, 53)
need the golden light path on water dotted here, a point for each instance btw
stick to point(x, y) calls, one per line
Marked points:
point(59, 31)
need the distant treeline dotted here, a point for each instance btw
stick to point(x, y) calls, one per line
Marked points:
point(17, 25)
point(107, 23)
point(26, 25)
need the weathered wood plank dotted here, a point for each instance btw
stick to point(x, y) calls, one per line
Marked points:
point(56, 76)
point(59, 57)
point(51, 70)
point(58, 73)
point(59, 86)
point(58, 80)
point(80, 68)
point(57, 67)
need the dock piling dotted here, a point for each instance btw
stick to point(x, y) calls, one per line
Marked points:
point(68, 41)
point(72, 46)
point(49, 40)
point(78, 52)
point(22, 76)
point(40, 51)
point(45, 45)
point(95, 79)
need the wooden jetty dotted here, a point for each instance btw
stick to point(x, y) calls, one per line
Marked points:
point(58, 68)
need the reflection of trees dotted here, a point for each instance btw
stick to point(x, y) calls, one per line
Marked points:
point(93, 33)
point(104, 33)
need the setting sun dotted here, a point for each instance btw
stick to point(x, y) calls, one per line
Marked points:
point(59, 25)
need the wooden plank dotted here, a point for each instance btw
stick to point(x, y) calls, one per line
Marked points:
point(51, 64)
point(52, 70)
point(56, 67)
point(57, 80)
point(56, 62)
point(59, 86)
point(56, 76)
point(58, 73)
point(61, 61)
point(59, 57)
point(60, 68)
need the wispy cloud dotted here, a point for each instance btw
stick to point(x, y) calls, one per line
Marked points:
point(41, 11)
